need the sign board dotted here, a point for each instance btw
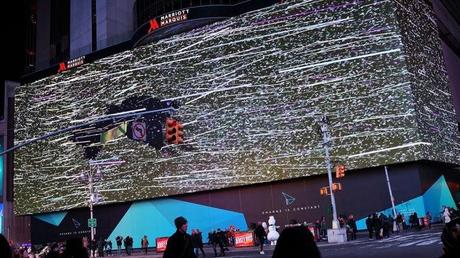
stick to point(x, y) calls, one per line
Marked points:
point(161, 244)
point(92, 223)
point(244, 239)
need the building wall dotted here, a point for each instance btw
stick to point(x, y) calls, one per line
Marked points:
point(80, 28)
point(249, 95)
point(433, 101)
point(364, 191)
point(115, 22)
point(452, 59)
point(43, 34)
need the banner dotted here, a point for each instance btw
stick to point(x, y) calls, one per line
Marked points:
point(244, 239)
point(114, 133)
point(161, 244)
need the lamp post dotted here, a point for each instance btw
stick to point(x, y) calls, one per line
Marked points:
point(91, 177)
point(336, 234)
point(323, 121)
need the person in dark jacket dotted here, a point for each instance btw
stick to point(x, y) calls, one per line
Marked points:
point(180, 243)
point(296, 242)
point(352, 227)
point(260, 234)
point(451, 238)
point(369, 225)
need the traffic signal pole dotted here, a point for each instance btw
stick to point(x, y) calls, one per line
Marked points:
point(326, 142)
point(111, 117)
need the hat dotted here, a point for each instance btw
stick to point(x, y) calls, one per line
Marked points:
point(180, 221)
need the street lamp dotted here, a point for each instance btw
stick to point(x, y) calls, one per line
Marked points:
point(336, 234)
point(323, 121)
point(91, 177)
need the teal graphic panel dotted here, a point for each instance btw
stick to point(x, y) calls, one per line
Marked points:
point(54, 218)
point(437, 197)
point(155, 218)
point(433, 201)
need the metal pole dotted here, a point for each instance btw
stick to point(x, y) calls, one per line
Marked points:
point(326, 142)
point(395, 227)
point(391, 193)
point(90, 180)
point(100, 119)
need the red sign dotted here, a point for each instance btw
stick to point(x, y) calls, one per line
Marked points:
point(244, 239)
point(161, 244)
point(62, 67)
point(153, 25)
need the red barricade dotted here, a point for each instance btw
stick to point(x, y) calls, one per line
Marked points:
point(244, 239)
point(161, 244)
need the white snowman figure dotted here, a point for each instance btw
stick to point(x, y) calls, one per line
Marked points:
point(273, 235)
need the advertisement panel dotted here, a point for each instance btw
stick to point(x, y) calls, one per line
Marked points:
point(161, 244)
point(244, 239)
point(248, 92)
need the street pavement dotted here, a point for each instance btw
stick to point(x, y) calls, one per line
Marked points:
point(421, 244)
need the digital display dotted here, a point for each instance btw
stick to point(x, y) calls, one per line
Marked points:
point(248, 91)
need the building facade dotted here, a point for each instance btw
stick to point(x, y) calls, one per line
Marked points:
point(380, 79)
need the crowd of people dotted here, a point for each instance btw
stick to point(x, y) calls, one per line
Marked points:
point(296, 240)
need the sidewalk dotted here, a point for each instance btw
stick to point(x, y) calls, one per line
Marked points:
point(246, 252)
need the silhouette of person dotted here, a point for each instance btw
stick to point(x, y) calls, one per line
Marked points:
point(180, 243)
point(296, 242)
point(451, 238)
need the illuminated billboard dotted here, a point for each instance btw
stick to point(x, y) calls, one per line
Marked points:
point(247, 92)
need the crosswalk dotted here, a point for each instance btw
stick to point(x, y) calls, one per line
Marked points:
point(403, 240)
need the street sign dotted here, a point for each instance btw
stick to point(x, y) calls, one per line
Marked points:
point(92, 223)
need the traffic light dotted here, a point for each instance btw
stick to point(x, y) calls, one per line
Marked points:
point(336, 187)
point(324, 190)
point(340, 170)
point(174, 131)
point(171, 130)
point(179, 133)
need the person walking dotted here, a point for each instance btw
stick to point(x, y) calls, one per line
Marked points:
point(108, 247)
point(197, 242)
point(180, 243)
point(369, 225)
point(260, 234)
point(352, 226)
point(428, 219)
point(145, 244)
point(119, 240)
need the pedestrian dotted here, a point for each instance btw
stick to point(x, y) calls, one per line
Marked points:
point(220, 238)
point(369, 225)
point(260, 234)
point(428, 219)
point(74, 247)
point(399, 222)
point(352, 226)
point(296, 242)
point(446, 215)
point(213, 241)
point(100, 247)
point(451, 238)
point(119, 240)
point(180, 243)
point(199, 243)
point(108, 247)
point(323, 228)
point(145, 244)
point(128, 242)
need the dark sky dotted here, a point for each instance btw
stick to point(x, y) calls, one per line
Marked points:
point(13, 39)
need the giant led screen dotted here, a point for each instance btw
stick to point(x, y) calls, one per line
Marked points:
point(248, 92)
